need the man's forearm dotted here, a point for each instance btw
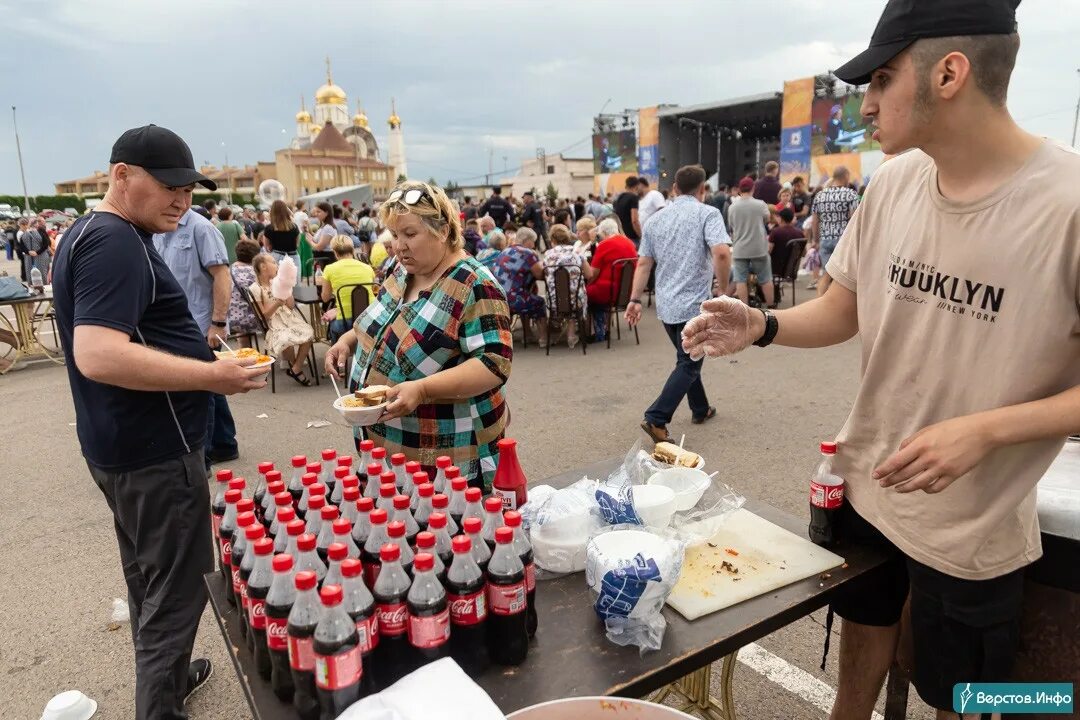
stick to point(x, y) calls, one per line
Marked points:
point(827, 320)
point(222, 292)
point(136, 367)
point(722, 270)
point(641, 277)
point(1052, 417)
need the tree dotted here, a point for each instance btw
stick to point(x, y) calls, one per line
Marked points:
point(551, 192)
point(432, 182)
point(401, 178)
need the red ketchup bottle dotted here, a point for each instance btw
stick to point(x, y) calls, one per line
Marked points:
point(510, 481)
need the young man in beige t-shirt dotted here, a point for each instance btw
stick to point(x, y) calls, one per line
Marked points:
point(961, 273)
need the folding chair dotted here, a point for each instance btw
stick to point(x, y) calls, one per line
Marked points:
point(566, 304)
point(796, 247)
point(264, 325)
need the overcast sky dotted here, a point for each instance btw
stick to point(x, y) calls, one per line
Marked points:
point(468, 76)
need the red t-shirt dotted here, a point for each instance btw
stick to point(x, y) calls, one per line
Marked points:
point(616, 247)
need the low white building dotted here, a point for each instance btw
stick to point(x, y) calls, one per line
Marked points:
point(570, 176)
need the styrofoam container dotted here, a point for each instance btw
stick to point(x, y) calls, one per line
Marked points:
point(654, 504)
point(70, 705)
point(558, 556)
point(617, 548)
point(598, 708)
point(359, 416)
point(689, 485)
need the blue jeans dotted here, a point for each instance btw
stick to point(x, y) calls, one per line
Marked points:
point(220, 428)
point(684, 381)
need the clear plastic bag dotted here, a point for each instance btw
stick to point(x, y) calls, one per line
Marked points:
point(560, 527)
point(701, 522)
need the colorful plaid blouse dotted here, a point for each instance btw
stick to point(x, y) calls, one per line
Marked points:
point(464, 315)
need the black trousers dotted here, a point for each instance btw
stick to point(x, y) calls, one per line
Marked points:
point(162, 519)
point(684, 382)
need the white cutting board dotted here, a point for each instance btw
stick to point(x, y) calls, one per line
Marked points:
point(768, 558)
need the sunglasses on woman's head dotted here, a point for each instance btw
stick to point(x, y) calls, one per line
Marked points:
point(409, 197)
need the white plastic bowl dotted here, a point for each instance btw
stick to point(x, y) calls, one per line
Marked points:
point(557, 555)
point(359, 416)
point(654, 504)
point(689, 485)
point(598, 708)
point(617, 548)
point(70, 705)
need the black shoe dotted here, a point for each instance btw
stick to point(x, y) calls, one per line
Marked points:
point(215, 458)
point(709, 415)
point(199, 672)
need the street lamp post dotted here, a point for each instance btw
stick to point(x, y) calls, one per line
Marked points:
point(228, 175)
point(22, 173)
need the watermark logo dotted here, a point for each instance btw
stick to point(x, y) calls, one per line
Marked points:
point(1013, 698)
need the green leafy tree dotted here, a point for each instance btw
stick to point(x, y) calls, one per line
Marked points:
point(401, 178)
point(551, 192)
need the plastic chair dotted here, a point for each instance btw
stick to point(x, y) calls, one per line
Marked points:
point(796, 247)
point(566, 304)
point(358, 297)
point(622, 284)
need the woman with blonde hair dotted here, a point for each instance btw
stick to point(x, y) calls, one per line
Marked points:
point(586, 235)
point(288, 334)
point(344, 271)
point(438, 333)
point(561, 254)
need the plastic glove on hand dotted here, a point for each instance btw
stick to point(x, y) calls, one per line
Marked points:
point(722, 328)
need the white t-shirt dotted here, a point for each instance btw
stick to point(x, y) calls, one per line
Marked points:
point(653, 201)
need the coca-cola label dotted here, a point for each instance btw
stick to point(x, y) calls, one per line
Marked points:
point(257, 613)
point(368, 631)
point(301, 653)
point(828, 497)
point(429, 631)
point(506, 599)
point(244, 597)
point(226, 552)
point(216, 522)
point(509, 498)
point(277, 634)
point(393, 619)
point(468, 609)
point(236, 579)
point(337, 672)
point(530, 577)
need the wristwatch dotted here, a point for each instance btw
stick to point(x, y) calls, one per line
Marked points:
point(218, 323)
point(771, 326)
point(632, 301)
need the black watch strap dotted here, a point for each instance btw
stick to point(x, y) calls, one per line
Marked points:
point(218, 323)
point(771, 326)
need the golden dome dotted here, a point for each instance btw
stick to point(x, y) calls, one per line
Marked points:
point(394, 121)
point(315, 129)
point(359, 119)
point(330, 94)
point(303, 116)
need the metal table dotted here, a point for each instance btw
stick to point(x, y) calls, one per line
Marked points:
point(570, 655)
point(21, 339)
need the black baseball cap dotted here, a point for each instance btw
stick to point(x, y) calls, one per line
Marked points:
point(162, 153)
point(905, 21)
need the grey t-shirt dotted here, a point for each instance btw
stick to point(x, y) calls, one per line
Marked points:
point(747, 217)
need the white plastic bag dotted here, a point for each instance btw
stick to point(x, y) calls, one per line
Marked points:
point(561, 526)
point(118, 614)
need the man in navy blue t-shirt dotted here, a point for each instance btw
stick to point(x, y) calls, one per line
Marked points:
point(140, 371)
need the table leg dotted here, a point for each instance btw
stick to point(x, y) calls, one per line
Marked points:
point(10, 345)
point(27, 331)
point(694, 692)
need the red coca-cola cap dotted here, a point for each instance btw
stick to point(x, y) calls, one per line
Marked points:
point(273, 488)
point(377, 516)
point(425, 539)
point(379, 453)
point(265, 467)
point(245, 505)
point(440, 501)
point(350, 481)
point(245, 518)
point(423, 562)
point(306, 580)
point(473, 495)
point(282, 563)
point(254, 532)
point(374, 470)
point(507, 444)
point(299, 460)
point(461, 544)
point(237, 483)
point(387, 477)
point(419, 478)
point(329, 513)
point(337, 551)
point(436, 520)
point(286, 515)
point(273, 476)
point(295, 527)
point(401, 502)
point(309, 478)
point(264, 546)
point(313, 467)
point(329, 454)
point(452, 472)
point(331, 595)
point(340, 472)
point(472, 525)
point(396, 529)
point(316, 489)
point(366, 445)
point(342, 526)
point(412, 467)
point(306, 542)
point(493, 504)
point(282, 498)
point(224, 476)
point(425, 490)
point(512, 518)
point(504, 535)
point(351, 494)
point(397, 459)
point(316, 502)
point(829, 448)
point(444, 461)
point(365, 504)
point(232, 496)
point(389, 552)
point(456, 482)
point(387, 490)
point(344, 460)
point(351, 567)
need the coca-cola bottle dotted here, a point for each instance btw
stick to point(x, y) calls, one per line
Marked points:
point(397, 466)
point(260, 489)
point(418, 478)
point(335, 554)
point(443, 542)
point(340, 473)
point(424, 507)
point(326, 530)
point(523, 548)
point(274, 485)
point(252, 534)
point(377, 537)
point(342, 530)
point(440, 503)
point(364, 447)
point(282, 500)
point(493, 520)
point(296, 486)
point(307, 558)
point(826, 498)
point(362, 524)
point(458, 504)
point(258, 586)
point(507, 626)
point(378, 457)
point(509, 483)
point(303, 619)
point(349, 496)
point(307, 481)
point(440, 482)
point(387, 493)
point(286, 515)
point(403, 515)
point(474, 507)
point(314, 517)
point(465, 593)
point(429, 616)
point(360, 604)
point(371, 483)
point(225, 537)
point(293, 530)
point(395, 530)
point(480, 551)
point(393, 656)
point(425, 543)
point(279, 603)
point(244, 520)
point(345, 461)
point(217, 508)
point(326, 470)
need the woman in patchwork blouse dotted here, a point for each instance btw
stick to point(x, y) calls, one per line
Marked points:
point(438, 333)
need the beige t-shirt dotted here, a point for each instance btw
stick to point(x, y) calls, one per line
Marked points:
point(963, 307)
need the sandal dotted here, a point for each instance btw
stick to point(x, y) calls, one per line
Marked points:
point(709, 415)
point(658, 433)
point(299, 377)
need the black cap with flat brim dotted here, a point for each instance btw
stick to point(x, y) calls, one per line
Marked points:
point(162, 153)
point(903, 22)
